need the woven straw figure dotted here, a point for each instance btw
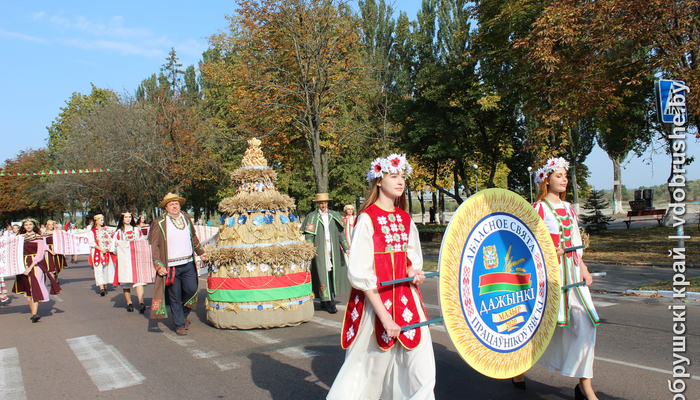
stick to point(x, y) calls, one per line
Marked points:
point(260, 276)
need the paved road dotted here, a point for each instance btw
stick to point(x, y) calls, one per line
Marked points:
point(87, 346)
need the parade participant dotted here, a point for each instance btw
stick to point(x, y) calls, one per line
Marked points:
point(173, 245)
point(15, 229)
point(141, 223)
point(382, 361)
point(571, 350)
point(4, 299)
point(56, 262)
point(324, 228)
point(349, 220)
point(126, 230)
point(32, 281)
point(100, 258)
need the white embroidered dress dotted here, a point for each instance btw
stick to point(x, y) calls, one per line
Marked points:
point(369, 372)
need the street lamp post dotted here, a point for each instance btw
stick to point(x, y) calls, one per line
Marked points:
point(476, 181)
point(529, 178)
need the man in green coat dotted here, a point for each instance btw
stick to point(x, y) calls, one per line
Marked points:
point(329, 274)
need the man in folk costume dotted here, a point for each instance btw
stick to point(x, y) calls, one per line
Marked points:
point(325, 229)
point(173, 246)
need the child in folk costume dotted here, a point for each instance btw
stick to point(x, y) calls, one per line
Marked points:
point(100, 257)
point(127, 231)
point(56, 262)
point(382, 361)
point(571, 350)
point(349, 219)
point(32, 281)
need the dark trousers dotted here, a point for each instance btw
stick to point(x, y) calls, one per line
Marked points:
point(183, 288)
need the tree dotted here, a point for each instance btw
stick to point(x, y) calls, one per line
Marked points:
point(171, 71)
point(303, 76)
point(579, 146)
point(596, 204)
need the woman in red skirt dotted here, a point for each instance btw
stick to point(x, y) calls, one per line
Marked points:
point(32, 282)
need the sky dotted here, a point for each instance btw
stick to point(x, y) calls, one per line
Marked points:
point(51, 49)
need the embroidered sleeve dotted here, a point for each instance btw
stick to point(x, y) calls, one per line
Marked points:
point(361, 260)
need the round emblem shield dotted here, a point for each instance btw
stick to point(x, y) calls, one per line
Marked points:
point(499, 283)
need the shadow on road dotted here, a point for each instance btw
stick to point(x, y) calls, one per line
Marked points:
point(283, 381)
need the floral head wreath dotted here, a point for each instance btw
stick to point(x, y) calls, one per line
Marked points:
point(550, 166)
point(32, 220)
point(393, 164)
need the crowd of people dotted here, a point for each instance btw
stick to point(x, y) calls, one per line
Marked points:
point(382, 360)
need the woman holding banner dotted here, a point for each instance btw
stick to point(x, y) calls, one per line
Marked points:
point(100, 258)
point(32, 281)
point(383, 360)
point(126, 231)
point(571, 350)
point(56, 262)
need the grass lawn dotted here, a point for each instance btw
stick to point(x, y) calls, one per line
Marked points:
point(694, 285)
point(642, 245)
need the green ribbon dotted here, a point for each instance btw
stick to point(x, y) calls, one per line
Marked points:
point(253, 295)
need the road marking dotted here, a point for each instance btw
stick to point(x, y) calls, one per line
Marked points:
point(11, 384)
point(295, 352)
point(298, 352)
point(327, 322)
point(259, 338)
point(641, 367)
point(58, 299)
point(603, 303)
point(212, 356)
point(105, 365)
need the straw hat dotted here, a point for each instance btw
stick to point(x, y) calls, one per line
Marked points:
point(171, 197)
point(321, 197)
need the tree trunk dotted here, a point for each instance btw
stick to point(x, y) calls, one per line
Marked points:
point(410, 205)
point(574, 186)
point(441, 218)
point(421, 198)
point(617, 189)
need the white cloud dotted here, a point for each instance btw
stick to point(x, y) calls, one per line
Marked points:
point(21, 36)
point(121, 47)
point(114, 35)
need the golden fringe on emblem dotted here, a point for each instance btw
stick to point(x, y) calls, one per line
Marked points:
point(268, 200)
point(242, 176)
point(274, 256)
point(451, 257)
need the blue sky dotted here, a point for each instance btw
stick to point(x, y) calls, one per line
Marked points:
point(50, 49)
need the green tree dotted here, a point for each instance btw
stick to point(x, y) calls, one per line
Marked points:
point(171, 72)
point(595, 204)
point(304, 76)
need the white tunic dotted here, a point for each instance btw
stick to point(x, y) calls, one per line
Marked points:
point(368, 372)
point(572, 348)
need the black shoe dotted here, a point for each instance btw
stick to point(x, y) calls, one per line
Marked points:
point(578, 394)
point(324, 305)
point(103, 292)
point(519, 385)
point(331, 308)
point(130, 308)
point(35, 318)
point(142, 308)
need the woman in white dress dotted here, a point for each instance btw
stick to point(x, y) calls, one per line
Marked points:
point(382, 361)
point(100, 257)
point(571, 350)
point(126, 231)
